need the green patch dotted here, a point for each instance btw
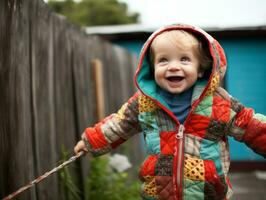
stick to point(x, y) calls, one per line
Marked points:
point(148, 122)
point(194, 190)
point(210, 150)
point(153, 142)
point(205, 107)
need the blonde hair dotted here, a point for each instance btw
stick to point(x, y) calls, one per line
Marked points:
point(184, 40)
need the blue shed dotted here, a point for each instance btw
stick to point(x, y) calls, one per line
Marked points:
point(245, 77)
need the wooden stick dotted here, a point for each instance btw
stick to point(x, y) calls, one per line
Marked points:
point(44, 176)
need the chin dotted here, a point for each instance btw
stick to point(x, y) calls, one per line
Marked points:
point(175, 91)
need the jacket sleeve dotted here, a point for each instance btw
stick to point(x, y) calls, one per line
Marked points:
point(248, 127)
point(114, 129)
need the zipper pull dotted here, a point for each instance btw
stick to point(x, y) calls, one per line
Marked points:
point(181, 130)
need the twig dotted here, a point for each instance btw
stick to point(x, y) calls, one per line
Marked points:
point(44, 176)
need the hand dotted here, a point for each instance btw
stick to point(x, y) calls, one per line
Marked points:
point(80, 146)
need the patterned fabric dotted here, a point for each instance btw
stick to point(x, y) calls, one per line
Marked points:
point(193, 165)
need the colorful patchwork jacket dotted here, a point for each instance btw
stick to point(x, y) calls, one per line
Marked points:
point(190, 160)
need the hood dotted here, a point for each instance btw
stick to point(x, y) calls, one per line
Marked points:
point(144, 78)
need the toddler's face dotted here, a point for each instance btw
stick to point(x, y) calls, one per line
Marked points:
point(175, 69)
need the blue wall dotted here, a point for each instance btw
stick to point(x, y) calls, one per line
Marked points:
point(245, 79)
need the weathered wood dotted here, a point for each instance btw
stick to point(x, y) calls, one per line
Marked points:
point(63, 85)
point(15, 103)
point(43, 100)
point(83, 94)
point(48, 96)
point(98, 77)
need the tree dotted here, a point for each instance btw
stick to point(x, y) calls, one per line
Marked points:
point(94, 12)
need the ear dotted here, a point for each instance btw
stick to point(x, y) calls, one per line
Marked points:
point(200, 74)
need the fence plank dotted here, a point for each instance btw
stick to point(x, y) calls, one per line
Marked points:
point(48, 94)
point(64, 85)
point(43, 97)
point(15, 103)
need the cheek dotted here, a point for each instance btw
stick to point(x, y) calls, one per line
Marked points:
point(192, 72)
point(158, 75)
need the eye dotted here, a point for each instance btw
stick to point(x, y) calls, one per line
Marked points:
point(185, 59)
point(162, 60)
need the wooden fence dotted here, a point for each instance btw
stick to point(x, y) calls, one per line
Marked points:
point(48, 93)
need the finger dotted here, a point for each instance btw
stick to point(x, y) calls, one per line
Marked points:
point(76, 149)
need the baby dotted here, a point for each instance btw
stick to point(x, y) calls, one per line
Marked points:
point(185, 117)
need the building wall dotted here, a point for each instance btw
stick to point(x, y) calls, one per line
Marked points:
point(245, 79)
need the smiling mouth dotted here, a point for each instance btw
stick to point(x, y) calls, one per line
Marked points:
point(175, 78)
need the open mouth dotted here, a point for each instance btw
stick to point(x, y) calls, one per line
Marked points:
point(175, 78)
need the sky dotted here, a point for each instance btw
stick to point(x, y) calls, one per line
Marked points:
point(204, 13)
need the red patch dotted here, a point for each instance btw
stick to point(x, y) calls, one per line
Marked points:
point(210, 171)
point(212, 176)
point(221, 54)
point(148, 167)
point(96, 138)
point(255, 135)
point(197, 125)
point(221, 109)
point(243, 117)
point(168, 142)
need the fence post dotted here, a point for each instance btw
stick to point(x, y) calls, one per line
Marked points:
point(99, 89)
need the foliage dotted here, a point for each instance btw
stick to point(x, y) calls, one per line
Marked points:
point(94, 12)
point(67, 181)
point(103, 183)
point(106, 184)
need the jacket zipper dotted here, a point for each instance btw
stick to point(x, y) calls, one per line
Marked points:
point(179, 160)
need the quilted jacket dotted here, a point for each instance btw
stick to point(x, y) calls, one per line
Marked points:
point(190, 160)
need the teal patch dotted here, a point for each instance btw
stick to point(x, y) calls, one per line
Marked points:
point(151, 131)
point(153, 142)
point(145, 78)
point(147, 84)
point(145, 197)
point(210, 150)
point(205, 107)
point(198, 89)
point(194, 190)
point(148, 122)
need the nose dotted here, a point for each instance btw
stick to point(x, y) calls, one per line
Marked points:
point(174, 66)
